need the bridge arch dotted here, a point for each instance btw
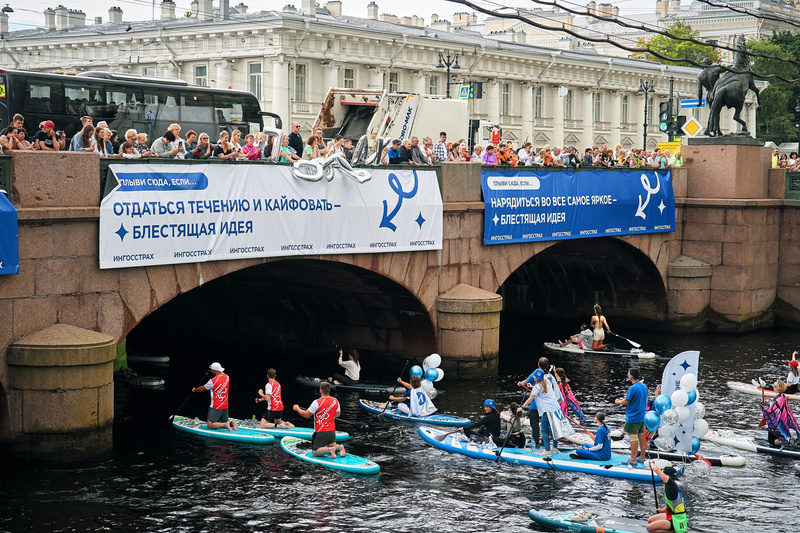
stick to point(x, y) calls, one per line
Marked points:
point(565, 279)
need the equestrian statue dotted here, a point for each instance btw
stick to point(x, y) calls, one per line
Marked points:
point(727, 89)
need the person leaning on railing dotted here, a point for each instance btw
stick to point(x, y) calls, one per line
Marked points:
point(48, 139)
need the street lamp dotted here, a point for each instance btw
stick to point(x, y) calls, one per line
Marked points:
point(646, 88)
point(797, 110)
point(448, 63)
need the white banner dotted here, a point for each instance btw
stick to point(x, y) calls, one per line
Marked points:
point(680, 365)
point(168, 214)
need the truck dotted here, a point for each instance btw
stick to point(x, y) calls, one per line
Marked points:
point(352, 113)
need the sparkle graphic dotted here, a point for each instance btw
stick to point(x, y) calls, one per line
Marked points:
point(661, 206)
point(685, 365)
point(420, 220)
point(495, 219)
point(121, 232)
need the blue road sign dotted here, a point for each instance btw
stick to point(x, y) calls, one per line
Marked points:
point(685, 104)
point(463, 91)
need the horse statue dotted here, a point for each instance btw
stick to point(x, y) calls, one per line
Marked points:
point(730, 90)
point(707, 78)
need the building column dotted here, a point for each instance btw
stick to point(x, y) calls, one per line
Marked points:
point(492, 97)
point(167, 68)
point(588, 119)
point(331, 76)
point(558, 116)
point(222, 73)
point(615, 117)
point(280, 89)
point(376, 78)
point(419, 81)
point(527, 112)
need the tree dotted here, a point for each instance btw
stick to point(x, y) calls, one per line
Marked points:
point(669, 47)
point(776, 119)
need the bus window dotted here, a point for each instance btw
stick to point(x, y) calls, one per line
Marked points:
point(124, 108)
point(197, 108)
point(84, 99)
point(42, 98)
point(161, 105)
point(229, 109)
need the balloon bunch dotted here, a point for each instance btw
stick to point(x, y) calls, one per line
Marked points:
point(670, 412)
point(428, 373)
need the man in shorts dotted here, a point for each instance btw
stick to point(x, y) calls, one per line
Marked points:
point(635, 402)
point(324, 410)
point(218, 386)
point(671, 517)
point(273, 415)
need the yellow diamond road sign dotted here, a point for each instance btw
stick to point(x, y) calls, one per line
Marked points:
point(691, 127)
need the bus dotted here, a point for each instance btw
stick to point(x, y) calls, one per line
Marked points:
point(148, 104)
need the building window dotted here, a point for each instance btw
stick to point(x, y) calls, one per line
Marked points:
point(433, 85)
point(537, 102)
point(201, 76)
point(394, 82)
point(300, 83)
point(349, 78)
point(649, 110)
point(598, 110)
point(624, 117)
point(568, 105)
point(255, 79)
point(504, 97)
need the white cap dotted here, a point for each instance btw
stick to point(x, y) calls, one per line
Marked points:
point(217, 367)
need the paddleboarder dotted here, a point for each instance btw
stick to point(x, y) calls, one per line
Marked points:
point(599, 324)
point(325, 409)
point(533, 414)
point(271, 394)
point(635, 402)
point(352, 368)
point(546, 401)
point(601, 449)
point(793, 378)
point(671, 517)
point(486, 427)
point(218, 386)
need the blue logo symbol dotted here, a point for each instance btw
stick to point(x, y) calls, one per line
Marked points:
point(122, 232)
point(394, 183)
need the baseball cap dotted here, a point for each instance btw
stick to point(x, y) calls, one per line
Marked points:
point(396, 141)
point(793, 363)
point(217, 367)
point(48, 124)
point(670, 471)
point(538, 374)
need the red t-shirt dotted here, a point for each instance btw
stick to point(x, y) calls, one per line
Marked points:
point(325, 409)
point(219, 391)
point(275, 400)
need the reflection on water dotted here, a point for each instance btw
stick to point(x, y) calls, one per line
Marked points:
point(160, 480)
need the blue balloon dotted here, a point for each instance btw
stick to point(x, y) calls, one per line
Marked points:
point(416, 370)
point(692, 397)
point(431, 374)
point(695, 445)
point(662, 403)
point(652, 420)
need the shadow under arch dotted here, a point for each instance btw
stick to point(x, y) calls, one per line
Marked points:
point(564, 281)
point(293, 309)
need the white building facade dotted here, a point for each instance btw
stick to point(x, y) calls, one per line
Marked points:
point(290, 59)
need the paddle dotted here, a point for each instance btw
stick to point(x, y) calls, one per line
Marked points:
point(441, 436)
point(355, 424)
point(187, 398)
point(655, 494)
point(634, 344)
point(389, 401)
point(580, 426)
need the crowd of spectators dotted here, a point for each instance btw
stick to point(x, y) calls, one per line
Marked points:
point(790, 162)
point(292, 147)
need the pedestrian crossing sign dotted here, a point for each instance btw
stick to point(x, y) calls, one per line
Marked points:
point(463, 91)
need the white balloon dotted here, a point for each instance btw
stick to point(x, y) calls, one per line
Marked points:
point(679, 398)
point(700, 428)
point(699, 411)
point(427, 386)
point(432, 361)
point(670, 416)
point(433, 394)
point(688, 382)
point(667, 430)
point(441, 374)
point(683, 414)
point(664, 444)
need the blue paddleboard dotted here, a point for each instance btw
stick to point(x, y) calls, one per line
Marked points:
point(435, 419)
point(300, 433)
point(353, 464)
point(582, 522)
point(196, 426)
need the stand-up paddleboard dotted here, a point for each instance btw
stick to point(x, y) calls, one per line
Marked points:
point(364, 388)
point(196, 426)
point(354, 464)
point(584, 522)
point(728, 438)
point(300, 433)
point(148, 359)
point(797, 467)
point(136, 380)
point(749, 388)
point(572, 349)
point(395, 414)
point(614, 467)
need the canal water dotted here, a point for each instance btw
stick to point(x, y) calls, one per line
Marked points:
point(160, 480)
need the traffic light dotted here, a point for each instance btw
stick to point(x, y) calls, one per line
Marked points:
point(478, 89)
point(664, 115)
point(471, 89)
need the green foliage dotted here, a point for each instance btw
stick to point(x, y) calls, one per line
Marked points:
point(675, 48)
point(776, 119)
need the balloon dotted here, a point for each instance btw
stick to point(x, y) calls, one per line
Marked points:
point(427, 386)
point(416, 370)
point(699, 411)
point(432, 361)
point(695, 444)
point(652, 420)
point(431, 374)
point(667, 430)
point(662, 403)
point(700, 468)
point(688, 382)
point(692, 397)
point(683, 414)
point(440, 373)
point(665, 444)
point(700, 428)
point(433, 394)
point(670, 416)
point(679, 398)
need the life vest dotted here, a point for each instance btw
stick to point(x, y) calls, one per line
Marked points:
point(275, 400)
point(677, 506)
point(219, 391)
point(324, 416)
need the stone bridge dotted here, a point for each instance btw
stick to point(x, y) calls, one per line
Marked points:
point(732, 264)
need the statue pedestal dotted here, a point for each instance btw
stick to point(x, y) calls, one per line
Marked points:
point(727, 167)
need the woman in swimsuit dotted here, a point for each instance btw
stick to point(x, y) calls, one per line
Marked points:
point(598, 323)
